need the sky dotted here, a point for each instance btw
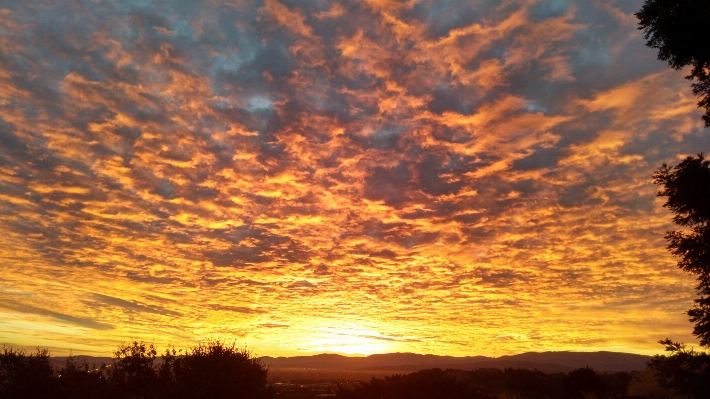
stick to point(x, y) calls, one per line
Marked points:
point(445, 177)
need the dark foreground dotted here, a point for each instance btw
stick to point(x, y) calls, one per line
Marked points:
point(217, 370)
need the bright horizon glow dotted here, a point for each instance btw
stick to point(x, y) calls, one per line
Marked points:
point(455, 178)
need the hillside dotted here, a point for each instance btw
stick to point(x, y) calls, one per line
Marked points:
point(407, 362)
point(549, 362)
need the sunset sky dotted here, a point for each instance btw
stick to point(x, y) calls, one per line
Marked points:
point(446, 177)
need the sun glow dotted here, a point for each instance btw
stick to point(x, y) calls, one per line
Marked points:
point(350, 339)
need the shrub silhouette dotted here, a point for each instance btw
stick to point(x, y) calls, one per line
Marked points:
point(425, 384)
point(215, 370)
point(133, 373)
point(583, 381)
point(492, 383)
point(684, 371)
point(616, 385)
point(25, 375)
point(81, 381)
point(532, 384)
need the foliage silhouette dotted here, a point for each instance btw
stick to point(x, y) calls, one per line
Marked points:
point(215, 370)
point(426, 384)
point(580, 383)
point(687, 189)
point(685, 371)
point(78, 380)
point(25, 375)
point(519, 382)
point(679, 30)
point(616, 385)
point(493, 383)
point(583, 381)
point(133, 373)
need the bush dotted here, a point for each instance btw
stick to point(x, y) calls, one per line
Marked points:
point(25, 375)
point(81, 381)
point(216, 370)
point(425, 384)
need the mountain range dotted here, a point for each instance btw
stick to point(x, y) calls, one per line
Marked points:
point(548, 362)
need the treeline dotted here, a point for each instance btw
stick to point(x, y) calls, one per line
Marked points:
point(217, 370)
point(212, 370)
point(493, 384)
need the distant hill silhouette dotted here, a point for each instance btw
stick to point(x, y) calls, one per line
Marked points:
point(549, 362)
point(59, 361)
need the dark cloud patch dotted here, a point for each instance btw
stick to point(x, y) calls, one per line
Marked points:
point(471, 218)
point(378, 230)
point(321, 270)
point(440, 17)
point(387, 338)
point(97, 299)
point(164, 188)
point(388, 184)
point(415, 238)
point(9, 143)
point(135, 276)
point(251, 244)
point(273, 325)
point(385, 138)
point(578, 195)
point(202, 193)
point(384, 253)
point(451, 135)
point(549, 9)
point(542, 158)
point(236, 255)
point(437, 178)
point(418, 214)
point(237, 309)
point(301, 284)
point(253, 283)
point(61, 317)
point(444, 99)
point(297, 253)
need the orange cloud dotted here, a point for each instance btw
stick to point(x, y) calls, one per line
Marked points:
point(379, 176)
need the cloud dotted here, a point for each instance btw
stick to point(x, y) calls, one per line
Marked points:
point(423, 169)
point(60, 317)
point(238, 309)
point(273, 325)
point(132, 306)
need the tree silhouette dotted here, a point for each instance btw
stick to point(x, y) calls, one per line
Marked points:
point(216, 370)
point(213, 370)
point(133, 374)
point(425, 384)
point(25, 376)
point(679, 30)
point(687, 189)
point(684, 370)
point(79, 380)
point(581, 382)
